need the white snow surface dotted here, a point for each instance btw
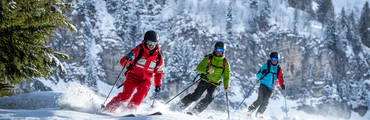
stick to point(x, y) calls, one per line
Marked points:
point(80, 102)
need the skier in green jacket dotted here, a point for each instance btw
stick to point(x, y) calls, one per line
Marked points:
point(214, 66)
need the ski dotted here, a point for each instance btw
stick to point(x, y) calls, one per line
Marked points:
point(135, 115)
point(189, 113)
point(129, 115)
point(155, 114)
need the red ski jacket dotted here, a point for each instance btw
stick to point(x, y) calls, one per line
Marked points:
point(145, 66)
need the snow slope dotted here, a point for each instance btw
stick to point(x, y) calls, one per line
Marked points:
point(79, 102)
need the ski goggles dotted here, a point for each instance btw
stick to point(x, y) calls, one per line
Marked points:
point(151, 43)
point(219, 50)
point(274, 59)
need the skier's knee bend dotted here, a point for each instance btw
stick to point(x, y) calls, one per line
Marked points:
point(257, 102)
point(265, 102)
point(123, 96)
point(207, 99)
point(196, 95)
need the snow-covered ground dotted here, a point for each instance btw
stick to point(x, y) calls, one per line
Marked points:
point(79, 102)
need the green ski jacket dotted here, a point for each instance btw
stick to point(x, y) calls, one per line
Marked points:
point(217, 64)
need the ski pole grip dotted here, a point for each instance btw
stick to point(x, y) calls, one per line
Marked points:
point(195, 78)
point(204, 76)
point(120, 86)
point(264, 75)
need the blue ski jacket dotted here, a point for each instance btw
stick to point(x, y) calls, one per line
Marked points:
point(271, 78)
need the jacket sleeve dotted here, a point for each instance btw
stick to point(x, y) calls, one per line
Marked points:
point(281, 77)
point(259, 74)
point(202, 66)
point(227, 76)
point(158, 73)
point(123, 59)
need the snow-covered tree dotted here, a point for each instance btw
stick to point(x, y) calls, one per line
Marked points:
point(324, 6)
point(264, 15)
point(352, 34)
point(229, 20)
point(304, 5)
point(331, 35)
point(253, 16)
point(125, 21)
point(24, 28)
point(179, 61)
point(87, 40)
point(364, 25)
point(342, 22)
point(295, 21)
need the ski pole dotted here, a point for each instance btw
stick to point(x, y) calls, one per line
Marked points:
point(187, 88)
point(227, 105)
point(195, 78)
point(155, 96)
point(120, 86)
point(103, 105)
point(249, 92)
point(286, 107)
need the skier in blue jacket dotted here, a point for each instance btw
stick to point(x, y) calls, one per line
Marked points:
point(269, 74)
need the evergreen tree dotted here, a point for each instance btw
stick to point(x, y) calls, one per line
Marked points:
point(265, 15)
point(125, 21)
point(253, 17)
point(92, 61)
point(307, 6)
point(342, 22)
point(358, 96)
point(146, 12)
point(342, 27)
point(25, 25)
point(229, 20)
point(352, 34)
point(325, 6)
point(353, 37)
point(295, 21)
point(260, 14)
point(364, 25)
point(331, 35)
point(179, 61)
point(304, 5)
point(180, 65)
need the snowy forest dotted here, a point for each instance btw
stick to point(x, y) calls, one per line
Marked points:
point(324, 47)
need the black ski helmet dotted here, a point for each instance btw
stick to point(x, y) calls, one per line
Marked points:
point(221, 45)
point(151, 36)
point(274, 55)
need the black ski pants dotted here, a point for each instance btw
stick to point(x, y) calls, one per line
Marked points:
point(202, 86)
point(264, 94)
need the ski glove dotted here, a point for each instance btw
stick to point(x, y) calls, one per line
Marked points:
point(157, 89)
point(264, 72)
point(283, 87)
point(226, 89)
point(210, 71)
point(130, 55)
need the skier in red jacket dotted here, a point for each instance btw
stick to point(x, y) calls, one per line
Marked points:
point(143, 61)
